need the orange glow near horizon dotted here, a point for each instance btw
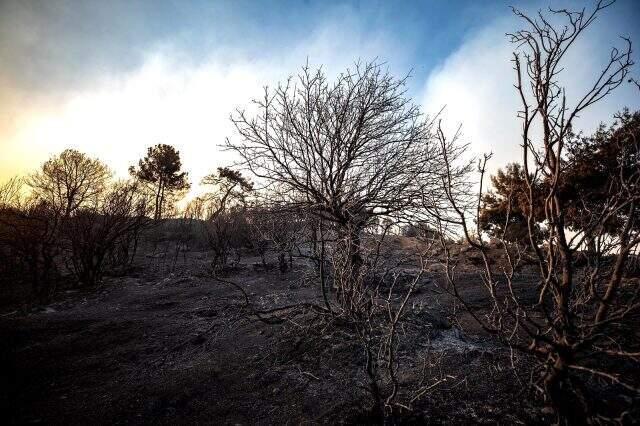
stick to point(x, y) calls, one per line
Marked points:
point(188, 109)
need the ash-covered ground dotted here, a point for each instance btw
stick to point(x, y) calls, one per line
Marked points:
point(169, 344)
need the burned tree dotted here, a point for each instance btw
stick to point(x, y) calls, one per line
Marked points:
point(578, 327)
point(29, 243)
point(347, 152)
point(347, 156)
point(223, 209)
point(30, 229)
point(95, 231)
point(10, 192)
point(69, 180)
point(280, 230)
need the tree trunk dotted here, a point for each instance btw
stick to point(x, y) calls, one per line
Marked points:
point(563, 401)
point(282, 262)
point(156, 213)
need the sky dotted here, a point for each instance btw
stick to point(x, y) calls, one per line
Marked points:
point(111, 78)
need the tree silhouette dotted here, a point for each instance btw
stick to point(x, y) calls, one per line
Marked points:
point(160, 168)
point(69, 180)
point(598, 165)
point(349, 152)
point(224, 209)
point(229, 187)
point(576, 330)
point(504, 211)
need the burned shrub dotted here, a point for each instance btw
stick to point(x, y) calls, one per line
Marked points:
point(29, 241)
point(575, 328)
point(226, 233)
point(277, 230)
point(346, 156)
point(94, 232)
point(224, 212)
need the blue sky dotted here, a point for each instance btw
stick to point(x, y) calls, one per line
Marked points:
point(112, 77)
point(52, 45)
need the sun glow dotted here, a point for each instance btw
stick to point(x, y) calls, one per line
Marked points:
point(161, 103)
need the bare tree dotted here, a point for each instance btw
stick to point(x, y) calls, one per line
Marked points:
point(347, 152)
point(29, 233)
point(93, 232)
point(69, 180)
point(224, 208)
point(347, 156)
point(578, 326)
point(11, 192)
point(280, 230)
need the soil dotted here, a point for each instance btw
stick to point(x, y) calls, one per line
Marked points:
point(169, 344)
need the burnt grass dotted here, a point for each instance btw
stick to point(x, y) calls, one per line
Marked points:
point(168, 344)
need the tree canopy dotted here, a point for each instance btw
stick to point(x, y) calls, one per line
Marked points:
point(598, 166)
point(69, 180)
point(505, 208)
point(346, 151)
point(161, 169)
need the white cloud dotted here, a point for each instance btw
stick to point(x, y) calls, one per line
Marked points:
point(476, 85)
point(175, 102)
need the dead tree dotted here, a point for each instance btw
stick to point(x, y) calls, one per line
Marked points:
point(10, 192)
point(578, 327)
point(347, 152)
point(69, 180)
point(224, 208)
point(29, 237)
point(93, 232)
point(279, 230)
point(347, 156)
